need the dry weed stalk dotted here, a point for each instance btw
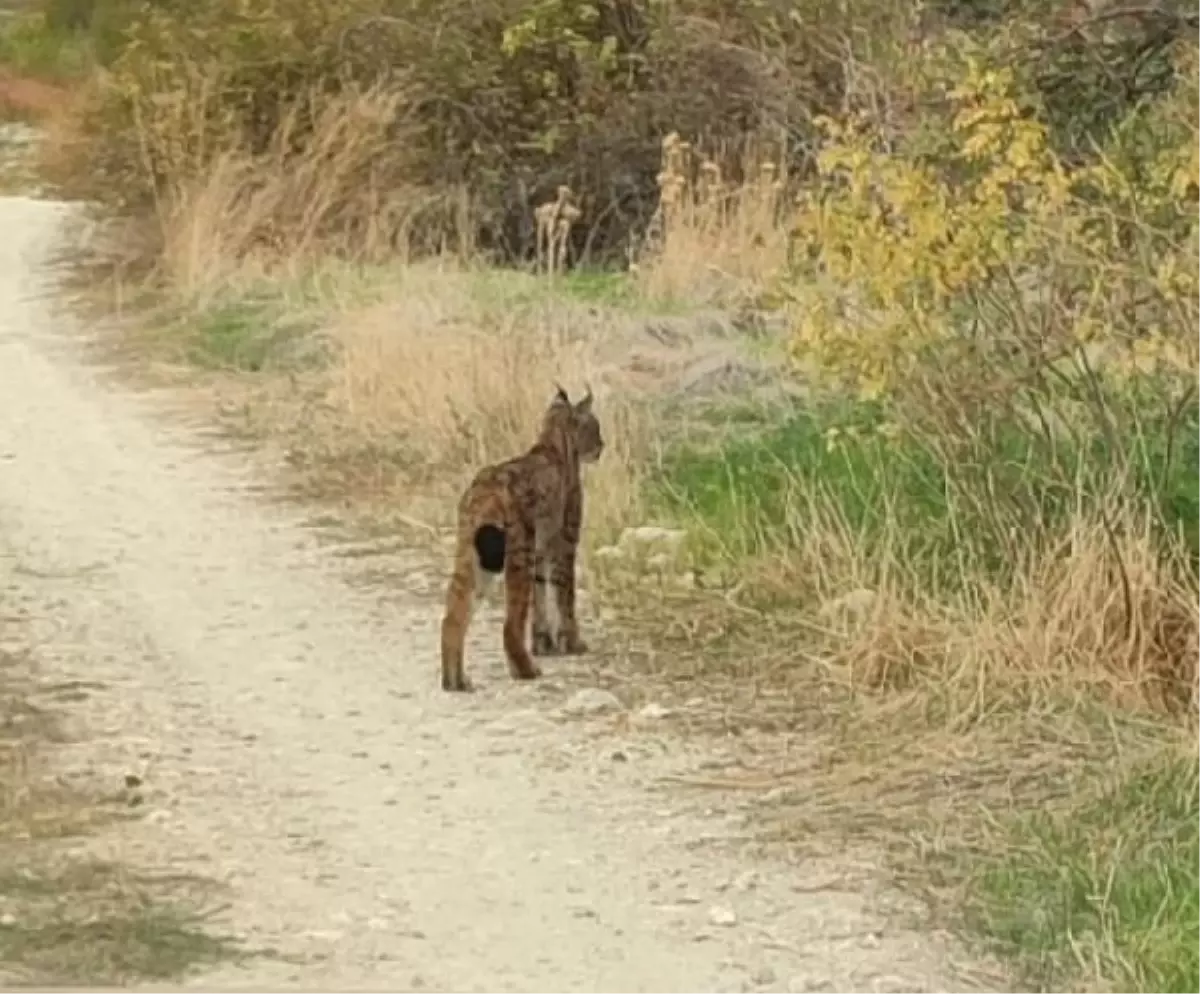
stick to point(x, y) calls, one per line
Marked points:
point(712, 239)
point(555, 219)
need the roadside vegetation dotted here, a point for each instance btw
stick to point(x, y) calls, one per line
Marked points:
point(892, 311)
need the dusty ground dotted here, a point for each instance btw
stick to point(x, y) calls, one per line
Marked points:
point(371, 831)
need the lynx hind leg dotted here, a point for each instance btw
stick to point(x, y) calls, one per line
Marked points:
point(460, 596)
point(485, 583)
point(518, 592)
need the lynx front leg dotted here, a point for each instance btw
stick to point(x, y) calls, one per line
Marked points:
point(518, 590)
point(545, 624)
point(563, 579)
point(562, 572)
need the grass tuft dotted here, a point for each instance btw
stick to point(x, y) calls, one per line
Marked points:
point(1109, 889)
point(95, 923)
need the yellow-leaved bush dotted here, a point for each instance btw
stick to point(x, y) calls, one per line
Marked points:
point(991, 241)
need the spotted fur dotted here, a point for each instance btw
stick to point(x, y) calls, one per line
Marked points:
point(522, 518)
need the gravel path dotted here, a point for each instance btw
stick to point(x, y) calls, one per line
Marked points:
point(294, 745)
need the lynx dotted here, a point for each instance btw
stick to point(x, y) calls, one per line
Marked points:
point(522, 518)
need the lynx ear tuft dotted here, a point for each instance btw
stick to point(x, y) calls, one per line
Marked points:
point(561, 396)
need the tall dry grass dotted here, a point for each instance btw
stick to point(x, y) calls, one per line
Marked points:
point(1095, 611)
point(715, 239)
point(460, 381)
point(223, 214)
point(1098, 615)
point(279, 211)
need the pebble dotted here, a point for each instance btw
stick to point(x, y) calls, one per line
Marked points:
point(746, 880)
point(723, 917)
point(591, 700)
point(654, 712)
point(780, 795)
point(808, 985)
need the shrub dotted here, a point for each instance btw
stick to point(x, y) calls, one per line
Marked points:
point(1012, 476)
point(991, 291)
point(512, 99)
point(508, 100)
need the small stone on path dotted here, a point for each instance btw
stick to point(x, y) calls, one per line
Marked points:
point(591, 700)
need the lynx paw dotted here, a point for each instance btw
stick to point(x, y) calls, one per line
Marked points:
point(573, 645)
point(544, 642)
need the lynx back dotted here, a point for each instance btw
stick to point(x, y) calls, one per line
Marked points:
point(522, 518)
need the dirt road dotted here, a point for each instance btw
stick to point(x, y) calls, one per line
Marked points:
point(374, 832)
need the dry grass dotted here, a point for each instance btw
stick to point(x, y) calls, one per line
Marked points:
point(715, 241)
point(1099, 613)
point(248, 215)
point(457, 383)
point(224, 216)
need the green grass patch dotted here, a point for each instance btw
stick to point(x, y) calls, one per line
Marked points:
point(747, 490)
point(248, 335)
point(751, 492)
point(94, 923)
point(233, 336)
point(1109, 890)
point(30, 47)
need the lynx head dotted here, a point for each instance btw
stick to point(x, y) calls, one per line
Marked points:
point(575, 424)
